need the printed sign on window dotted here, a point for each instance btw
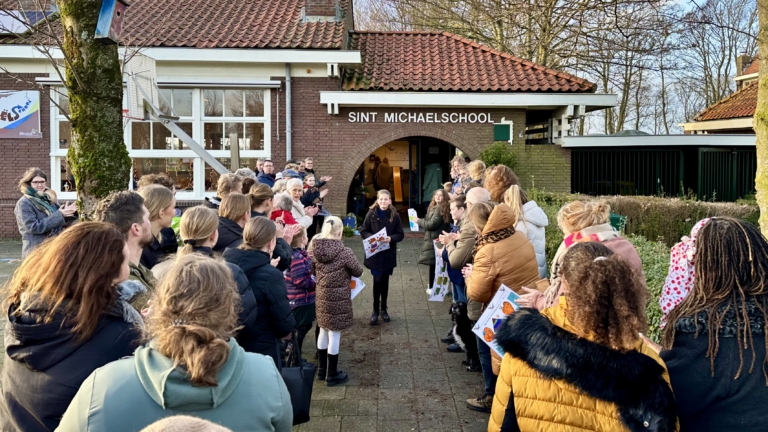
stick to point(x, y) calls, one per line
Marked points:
point(20, 114)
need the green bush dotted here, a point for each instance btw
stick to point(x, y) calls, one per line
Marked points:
point(655, 259)
point(499, 153)
point(348, 232)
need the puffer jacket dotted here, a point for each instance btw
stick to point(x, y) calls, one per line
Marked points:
point(533, 224)
point(433, 225)
point(334, 265)
point(552, 380)
point(510, 261)
point(298, 280)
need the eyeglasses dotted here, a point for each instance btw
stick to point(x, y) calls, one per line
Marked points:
point(39, 182)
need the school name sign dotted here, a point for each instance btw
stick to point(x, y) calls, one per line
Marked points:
point(412, 117)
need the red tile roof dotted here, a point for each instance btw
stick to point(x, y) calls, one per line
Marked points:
point(226, 24)
point(422, 61)
point(753, 67)
point(740, 104)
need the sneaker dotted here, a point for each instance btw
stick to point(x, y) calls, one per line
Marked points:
point(449, 339)
point(454, 348)
point(482, 404)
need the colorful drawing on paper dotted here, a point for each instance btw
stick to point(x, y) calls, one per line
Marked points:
point(356, 285)
point(501, 305)
point(412, 219)
point(441, 283)
point(375, 243)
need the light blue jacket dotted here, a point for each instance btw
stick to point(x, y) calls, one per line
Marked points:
point(130, 394)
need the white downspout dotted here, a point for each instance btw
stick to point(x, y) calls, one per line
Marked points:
point(288, 111)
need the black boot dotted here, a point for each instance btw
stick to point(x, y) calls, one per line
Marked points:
point(384, 314)
point(323, 369)
point(375, 317)
point(336, 376)
point(384, 289)
point(376, 296)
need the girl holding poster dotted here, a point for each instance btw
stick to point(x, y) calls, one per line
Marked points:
point(382, 215)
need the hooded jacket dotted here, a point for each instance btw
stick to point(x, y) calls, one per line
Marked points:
point(533, 224)
point(44, 365)
point(133, 393)
point(334, 265)
point(433, 225)
point(274, 319)
point(230, 235)
point(553, 380)
point(386, 260)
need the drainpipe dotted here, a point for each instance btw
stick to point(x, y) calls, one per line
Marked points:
point(288, 111)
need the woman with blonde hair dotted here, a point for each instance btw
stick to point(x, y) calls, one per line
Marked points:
point(234, 213)
point(476, 171)
point(199, 231)
point(280, 186)
point(333, 265)
point(498, 179)
point(581, 364)
point(37, 215)
point(261, 197)
point(65, 319)
point(161, 203)
point(191, 364)
point(262, 203)
point(581, 222)
point(530, 219)
point(382, 215)
point(274, 320)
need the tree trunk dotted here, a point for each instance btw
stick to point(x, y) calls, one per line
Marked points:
point(98, 156)
point(761, 120)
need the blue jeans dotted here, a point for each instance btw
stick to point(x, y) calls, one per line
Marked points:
point(459, 293)
point(485, 362)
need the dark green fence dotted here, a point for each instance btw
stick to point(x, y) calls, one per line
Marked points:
point(726, 174)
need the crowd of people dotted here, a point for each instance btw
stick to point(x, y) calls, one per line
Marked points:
point(122, 322)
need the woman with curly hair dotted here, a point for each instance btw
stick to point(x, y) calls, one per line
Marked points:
point(715, 339)
point(581, 365)
point(498, 179)
point(438, 219)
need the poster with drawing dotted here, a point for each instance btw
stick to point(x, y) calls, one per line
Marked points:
point(502, 305)
point(356, 285)
point(441, 284)
point(411, 219)
point(375, 243)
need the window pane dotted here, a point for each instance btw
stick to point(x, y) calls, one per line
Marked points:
point(65, 134)
point(164, 99)
point(212, 135)
point(212, 177)
point(161, 136)
point(254, 137)
point(140, 135)
point(63, 100)
point(213, 102)
point(182, 102)
point(67, 180)
point(233, 135)
point(254, 103)
point(233, 103)
point(177, 143)
point(179, 170)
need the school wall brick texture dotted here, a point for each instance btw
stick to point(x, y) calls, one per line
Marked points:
point(544, 166)
point(20, 154)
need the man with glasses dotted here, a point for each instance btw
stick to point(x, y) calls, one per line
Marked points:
point(267, 175)
point(309, 168)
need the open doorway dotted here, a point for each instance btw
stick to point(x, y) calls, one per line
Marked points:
point(411, 168)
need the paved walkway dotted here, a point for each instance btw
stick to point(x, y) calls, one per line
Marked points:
point(401, 376)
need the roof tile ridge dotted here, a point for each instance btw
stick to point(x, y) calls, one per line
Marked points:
point(725, 99)
point(518, 59)
point(396, 32)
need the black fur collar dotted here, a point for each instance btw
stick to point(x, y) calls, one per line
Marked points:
point(633, 381)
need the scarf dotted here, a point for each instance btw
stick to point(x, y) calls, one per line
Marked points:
point(41, 201)
point(681, 273)
point(492, 237)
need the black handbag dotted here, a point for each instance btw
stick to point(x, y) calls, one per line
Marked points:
point(299, 377)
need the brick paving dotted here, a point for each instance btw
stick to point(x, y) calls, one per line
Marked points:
point(401, 376)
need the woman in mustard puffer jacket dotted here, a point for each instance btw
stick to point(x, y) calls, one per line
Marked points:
point(581, 365)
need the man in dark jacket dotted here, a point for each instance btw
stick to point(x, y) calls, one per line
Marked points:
point(267, 176)
point(274, 319)
point(309, 168)
point(45, 366)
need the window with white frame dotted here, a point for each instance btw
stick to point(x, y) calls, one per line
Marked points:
point(216, 118)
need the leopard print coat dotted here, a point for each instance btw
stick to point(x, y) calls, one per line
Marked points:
point(333, 264)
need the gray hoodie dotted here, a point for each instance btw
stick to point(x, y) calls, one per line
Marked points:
point(133, 393)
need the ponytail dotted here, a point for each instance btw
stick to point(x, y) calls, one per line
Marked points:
point(195, 228)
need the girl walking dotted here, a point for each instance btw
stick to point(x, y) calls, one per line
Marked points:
point(333, 265)
point(382, 215)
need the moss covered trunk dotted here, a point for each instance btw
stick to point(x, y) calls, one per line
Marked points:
point(761, 119)
point(98, 156)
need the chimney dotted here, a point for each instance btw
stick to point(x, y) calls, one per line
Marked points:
point(742, 63)
point(321, 10)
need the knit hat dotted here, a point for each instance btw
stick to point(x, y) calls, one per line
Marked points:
point(278, 176)
point(183, 423)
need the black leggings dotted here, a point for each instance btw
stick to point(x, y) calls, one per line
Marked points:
point(380, 292)
point(431, 275)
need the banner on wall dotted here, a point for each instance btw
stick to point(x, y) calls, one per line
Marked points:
point(20, 114)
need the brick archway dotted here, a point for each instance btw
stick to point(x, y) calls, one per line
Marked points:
point(352, 160)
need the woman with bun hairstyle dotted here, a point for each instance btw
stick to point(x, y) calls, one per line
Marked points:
point(65, 319)
point(191, 363)
point(333, 265)
point(274, 320)
point(581, 364)
point(581, 222)
point(382, 215)
point(199, 231)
